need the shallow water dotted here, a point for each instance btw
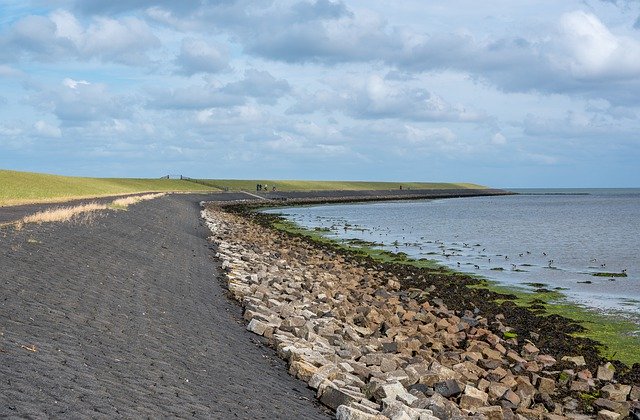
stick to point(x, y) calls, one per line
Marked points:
point(559, 240)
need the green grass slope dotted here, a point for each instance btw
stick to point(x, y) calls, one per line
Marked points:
point(288, 185)
point(27, 187)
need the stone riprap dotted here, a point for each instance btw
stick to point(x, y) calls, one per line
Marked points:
point(372, 350)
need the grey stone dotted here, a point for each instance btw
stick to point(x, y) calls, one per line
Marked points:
point(334, 397)
point(448, 388)
point(345, 412)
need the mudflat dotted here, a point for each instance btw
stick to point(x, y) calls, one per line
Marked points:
point(123, 316)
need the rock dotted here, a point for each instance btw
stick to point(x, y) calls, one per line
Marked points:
point(530, 414)
point(546, 360)
point(470, 403)
point(346, 412)
point(390, 347)
point(545, 399)
point(605, 372)
point(333, 397)
point(577, 360)
point(511, 398)
point(493, 412)
point(546, 385)
point(302, 370)
point(389, 391)
point(395, 410)
point(529, 349)
point(550, 416)
point(422, 388)
point(326, 372)
point(580, 386)
point(441, 407)
point(634, 395)
point(476, 393)
point(257, 327)
point(608, 415)
point(615, 392)
point(496, 391)
point(438, 373)
point(618, 407)
point(388, 364)
point(448, 388)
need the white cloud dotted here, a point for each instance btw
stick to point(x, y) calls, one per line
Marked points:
point(61, 35)
point(73, 84)
point(47, 130)
point(199, 56)
point(76, 102)
point(8, 71)
point(499, 139)
point(376, 98)
point(589, 49)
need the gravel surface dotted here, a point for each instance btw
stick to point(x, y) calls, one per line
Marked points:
point(122, 315)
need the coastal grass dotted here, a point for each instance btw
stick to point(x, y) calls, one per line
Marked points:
point(27, 187)
point(66, 213)
point(123, 203)
point(619, 337)
point(292, 185)
point(60, 214)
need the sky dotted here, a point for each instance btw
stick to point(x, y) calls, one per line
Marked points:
point(507, 94)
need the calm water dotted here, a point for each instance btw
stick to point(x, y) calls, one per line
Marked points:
point(558, 240)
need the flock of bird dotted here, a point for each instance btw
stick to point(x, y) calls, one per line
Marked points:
point(476, 251)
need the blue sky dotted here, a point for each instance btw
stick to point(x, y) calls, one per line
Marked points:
point(508, 94)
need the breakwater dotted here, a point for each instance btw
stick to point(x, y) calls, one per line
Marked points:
point(372, 344)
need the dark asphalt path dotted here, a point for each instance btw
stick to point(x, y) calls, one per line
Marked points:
point(128, 319)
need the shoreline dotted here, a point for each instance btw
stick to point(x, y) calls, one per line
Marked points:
point(616, 329)
point(511, 327)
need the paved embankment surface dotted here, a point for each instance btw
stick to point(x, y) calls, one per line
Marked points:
point(123, 316)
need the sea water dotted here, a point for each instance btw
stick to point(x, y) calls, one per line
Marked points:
point(556, 239)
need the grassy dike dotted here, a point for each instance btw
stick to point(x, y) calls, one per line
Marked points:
point(27, 187)
point(292, 185)
point(542, 315)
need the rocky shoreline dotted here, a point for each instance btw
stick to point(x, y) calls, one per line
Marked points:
point(374, 346)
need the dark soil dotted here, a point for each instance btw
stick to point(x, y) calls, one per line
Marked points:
point(123, 316)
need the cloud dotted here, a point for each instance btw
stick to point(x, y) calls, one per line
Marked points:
point(376, 98)
point(45, 129)
point(10, 72)
point(320, 9)
point(259, 84)
point(60, 36)
point(498, 139)
point(193, 97)
point(581, 126)
point(108, 7)
point(344, 38)
point(77, 102)
point(199, 56)
point(590, 51)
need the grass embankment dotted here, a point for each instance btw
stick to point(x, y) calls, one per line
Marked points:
point(288, 185)
point(27, 187)
point(619, 337)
